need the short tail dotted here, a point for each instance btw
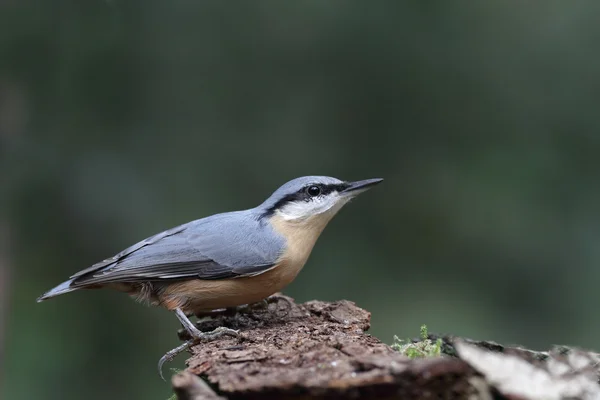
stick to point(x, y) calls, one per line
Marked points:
point(63, 288)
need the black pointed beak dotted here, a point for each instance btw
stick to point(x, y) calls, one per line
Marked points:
point(361, 186)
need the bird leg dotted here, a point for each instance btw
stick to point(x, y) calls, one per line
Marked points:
point(196, 335)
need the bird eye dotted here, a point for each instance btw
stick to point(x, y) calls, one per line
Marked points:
point(313, 191)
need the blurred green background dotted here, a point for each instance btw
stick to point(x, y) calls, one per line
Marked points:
point(119, 119)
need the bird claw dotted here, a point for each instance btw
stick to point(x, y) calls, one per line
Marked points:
point(171, 354)
point(197, 337)
point(264, 305)
point(275, 298)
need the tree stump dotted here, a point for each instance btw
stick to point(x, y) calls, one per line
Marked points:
point(321, 350)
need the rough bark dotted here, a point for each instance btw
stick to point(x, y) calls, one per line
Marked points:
point(321, 350)
point(189, 387)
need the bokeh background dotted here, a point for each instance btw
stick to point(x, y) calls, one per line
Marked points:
point(119, 119)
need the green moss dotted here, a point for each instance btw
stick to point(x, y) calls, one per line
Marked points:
point(422, 349)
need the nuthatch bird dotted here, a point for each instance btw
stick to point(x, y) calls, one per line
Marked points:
point(225, 260)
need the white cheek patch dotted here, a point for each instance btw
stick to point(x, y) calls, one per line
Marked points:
point(304, 209)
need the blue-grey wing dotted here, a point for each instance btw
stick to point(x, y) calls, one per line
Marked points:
point(222, 246)
point(131, 249)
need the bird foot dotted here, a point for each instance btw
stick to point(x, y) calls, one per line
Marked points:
point(197, 336)
point(275, 298)
point(264, 304)
point(247, 308)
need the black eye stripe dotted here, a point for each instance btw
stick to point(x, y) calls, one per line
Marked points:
point(326, 189)
point(302, 195)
